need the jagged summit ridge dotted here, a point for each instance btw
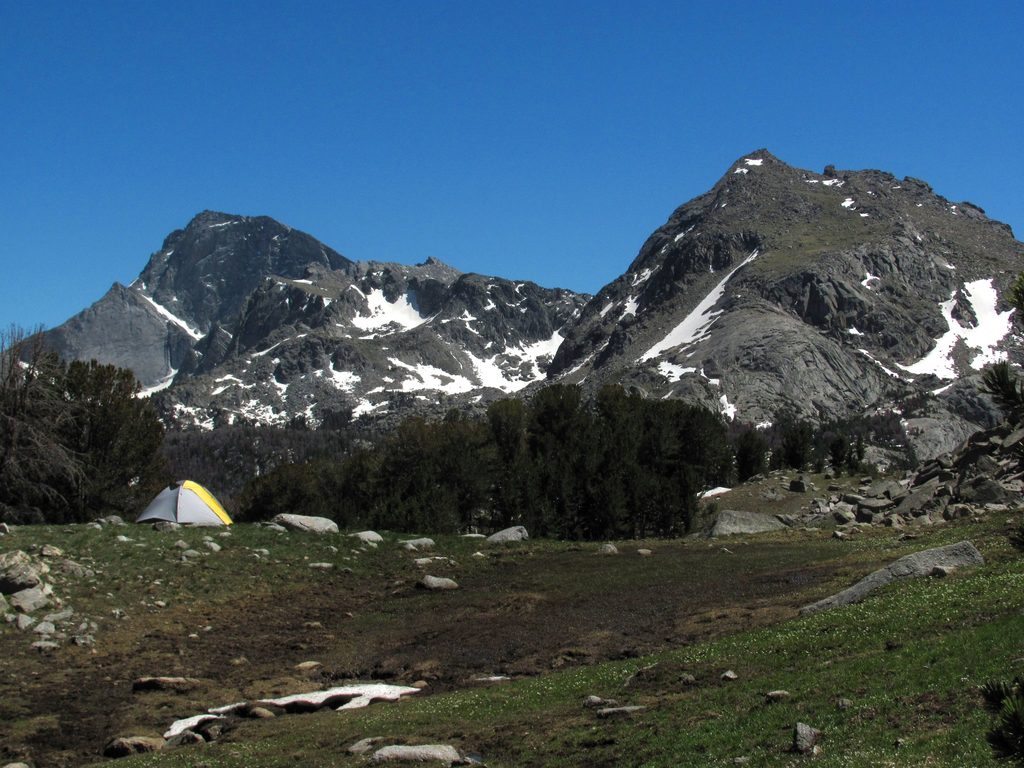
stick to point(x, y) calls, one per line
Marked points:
point(824, 292)
point(245, 319)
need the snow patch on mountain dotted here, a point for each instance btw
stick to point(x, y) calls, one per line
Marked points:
point(195, 333)
point(696, 325)
point(383, 313)
point(992, 328)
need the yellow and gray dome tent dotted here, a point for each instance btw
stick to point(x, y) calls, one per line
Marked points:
point(186, 502)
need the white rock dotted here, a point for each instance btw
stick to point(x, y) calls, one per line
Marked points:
point(368, 537)
point(415, 545)
point(436, 583)
point(608, 549)
point(515, 533)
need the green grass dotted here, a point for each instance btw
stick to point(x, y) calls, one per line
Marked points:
point(910, 659)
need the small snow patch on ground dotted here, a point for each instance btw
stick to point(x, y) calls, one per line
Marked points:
point(753, 160)
point(402, 312)
point(854, 332)
point(847, 203)
point(717, 491)
point(726, 408)
point(195, 333)
point(631, 307)
point(868, 279)
point(741, 170)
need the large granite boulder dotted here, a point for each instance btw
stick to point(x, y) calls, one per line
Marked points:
point(963, 553)
point(306, 523)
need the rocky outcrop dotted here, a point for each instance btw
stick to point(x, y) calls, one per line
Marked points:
point(509, 535)
point(962, 554)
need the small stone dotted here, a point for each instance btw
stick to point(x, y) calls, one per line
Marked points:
point(29, 600)
point(420, 684)
point(260, 713)
point(306, 523)
point(212, 546)
point(83, 641)
point(321, 566)
point(773, 696)
point(619, 711)
point(608, 549)
point(123, 539)
point(44, 628)
point(164, 683)
point(729, 676)
point(45, 645)
point(644, 552)
point(184, 739)
point(805, 738)
point(24, 621)
point(363, 746)
point(238, 661)
point(687, 679)
point(509, 535)
point(436, 583)
point(181, 544)
point(596, 702)
point(165, 525)
point(368, 537)
point(59, 616)
point(307, 666)
point(48, 550)
point(942, 571)
point(160, 604)
point(421, 753)
point(190, 553)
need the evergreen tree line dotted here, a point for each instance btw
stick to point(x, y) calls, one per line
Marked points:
point(617, 466)
point(75, 441)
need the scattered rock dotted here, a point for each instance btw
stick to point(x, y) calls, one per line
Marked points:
point(798, 485)
point(619, 711)
point(305, 523)
point(123, 746)
point(608, 549)
point(110, 520)
point(184, 739)
point(122, 539)
point(363, 746)
point(190, 553)
point(805, 738)
point(963, 553)
point(163, 683)
point(260, 713)
point(729, 676)
point(24, 621)
point(843, 704)
point(181, 544)
point(165, 525)
point(44, 628)
point(942, 571)
point(48, 550)
point(687, 679)
point(307, 666)
point(644, 552)
point(473, 536)
point(422, 753)
point(415, 545)
point(212, 546)
point(321, 566)
point(730, 522)
point(45, 645)
point(29, 600)
point(368, 537)
point(774, 696)
point(16, 765)
point(4, 529)
point(18, 572)
point(596, 702)
point(59, 616)
point(436, 583)
point(508, 535)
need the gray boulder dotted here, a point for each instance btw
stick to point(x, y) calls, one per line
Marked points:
point(421, 753)
point(515, 533)
point(733, 521)
point(305, 523)
point(963, 553)
point(608, 549)
point(805, 738)
point(132, 745)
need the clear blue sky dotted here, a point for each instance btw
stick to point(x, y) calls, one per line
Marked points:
point(537, 140)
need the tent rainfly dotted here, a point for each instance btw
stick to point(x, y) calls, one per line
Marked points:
point(186, 502)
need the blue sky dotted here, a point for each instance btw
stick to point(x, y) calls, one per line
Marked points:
point(534, 140)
